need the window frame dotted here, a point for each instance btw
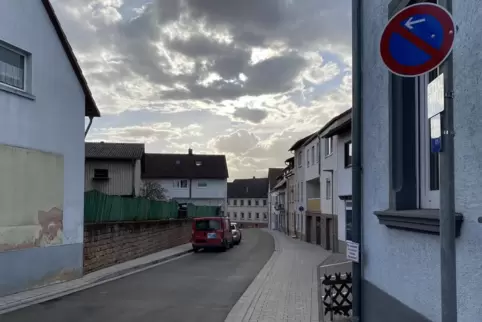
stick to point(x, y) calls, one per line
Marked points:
point(406, 158)
point(328, 146)
point(347, 158)
point(101, 170)
point(26, 91)
point(312, 154)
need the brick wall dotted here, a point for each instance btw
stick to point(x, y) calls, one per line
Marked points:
point(112, 243)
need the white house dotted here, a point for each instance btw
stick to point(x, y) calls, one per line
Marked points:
point(44, 99)
point(273, 219)
point(199, 179)
point(311, 187)
point(113, 168)
point(335, 183)
point(248, 202)
point(400, 182)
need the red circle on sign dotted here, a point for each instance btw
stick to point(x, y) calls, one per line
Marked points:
point(437, 56)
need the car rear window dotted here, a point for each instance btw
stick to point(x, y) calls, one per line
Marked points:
point(209, 224)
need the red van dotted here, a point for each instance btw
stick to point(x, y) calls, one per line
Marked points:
point(211, 232)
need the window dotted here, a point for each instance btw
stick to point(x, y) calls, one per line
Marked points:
point(328, 189)
point(429, 107)
point(228, 214)
point(300, 159)
point(256, 202)
point(249, 202)
point(264, 202)
point(235, 215)
point(241, 202)
point(264, 216)
point(180, 183)
point(199, 163)
point(208, 225)
point(249, 215)
point(328, 146)
point(257, 215)
point(308, 158)
point(12, 68)
point(348, 154)
point(242, 215)
point(101, 174)
point(313, 154)
point(202, 184)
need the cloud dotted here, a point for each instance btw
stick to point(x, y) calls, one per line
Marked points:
point(252, 115)
point(262, 73)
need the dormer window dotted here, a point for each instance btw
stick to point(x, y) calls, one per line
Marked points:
point(199, 163)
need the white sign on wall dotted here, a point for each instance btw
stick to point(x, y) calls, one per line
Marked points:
point(352, 251)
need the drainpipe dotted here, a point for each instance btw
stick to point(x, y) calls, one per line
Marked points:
point(357, 114)
point(91, 118)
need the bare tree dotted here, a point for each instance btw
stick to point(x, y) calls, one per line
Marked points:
point(153, 191)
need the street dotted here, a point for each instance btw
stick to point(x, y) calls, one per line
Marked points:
point(197, 287)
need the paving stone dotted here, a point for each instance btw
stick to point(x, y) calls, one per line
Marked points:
point(286, 289)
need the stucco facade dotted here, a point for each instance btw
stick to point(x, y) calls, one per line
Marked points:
point(401, 269)
point(48, 117)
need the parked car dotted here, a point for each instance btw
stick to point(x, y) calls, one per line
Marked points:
point(237, 235)
point(211, 232)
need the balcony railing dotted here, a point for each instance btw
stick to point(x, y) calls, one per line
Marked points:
point(314, 204)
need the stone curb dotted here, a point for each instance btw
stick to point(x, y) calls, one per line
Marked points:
point(89, 283)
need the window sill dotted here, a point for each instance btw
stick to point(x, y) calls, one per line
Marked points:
point(419, 220)
point(12, 90)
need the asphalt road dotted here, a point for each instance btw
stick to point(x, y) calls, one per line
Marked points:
point(197, 287)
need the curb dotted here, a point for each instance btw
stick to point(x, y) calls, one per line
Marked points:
point(20, 304)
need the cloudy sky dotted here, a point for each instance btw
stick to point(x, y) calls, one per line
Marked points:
point(245, 78)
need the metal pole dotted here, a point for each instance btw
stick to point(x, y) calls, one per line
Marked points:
point(447, 194)
point(357, 47)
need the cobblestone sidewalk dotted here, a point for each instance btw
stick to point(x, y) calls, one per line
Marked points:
point(286, 289)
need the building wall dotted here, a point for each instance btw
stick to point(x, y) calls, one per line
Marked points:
point(343, 183)
point(300, 191)
point(121, 177)
point(311, 169)
point(253, 209)
point(137, 177)
point(329, 162)
point(403, 267)
point(52, 122)
point(290, 210)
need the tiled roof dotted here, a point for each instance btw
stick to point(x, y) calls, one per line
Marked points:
point(248, 188)
point(273, 174)
point(119, 151)
point(300, 142)
point(185, 166)
point(90, 106)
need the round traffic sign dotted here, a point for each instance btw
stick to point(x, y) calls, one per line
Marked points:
point(417, 39)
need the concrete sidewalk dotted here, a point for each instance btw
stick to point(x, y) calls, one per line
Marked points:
point(23, 299)
point(286, 289)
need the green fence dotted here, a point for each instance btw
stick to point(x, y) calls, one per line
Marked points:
point(194, 211)
point(99, 207)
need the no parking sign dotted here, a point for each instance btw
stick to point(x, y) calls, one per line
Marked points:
point(417, 39)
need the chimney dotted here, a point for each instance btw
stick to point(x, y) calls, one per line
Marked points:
point(189, 151)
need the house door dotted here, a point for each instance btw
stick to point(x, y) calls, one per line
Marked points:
point(308, 229)
point(318, 230)
point(328, 234)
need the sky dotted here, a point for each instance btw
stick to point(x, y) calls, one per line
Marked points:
point(241, 78)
